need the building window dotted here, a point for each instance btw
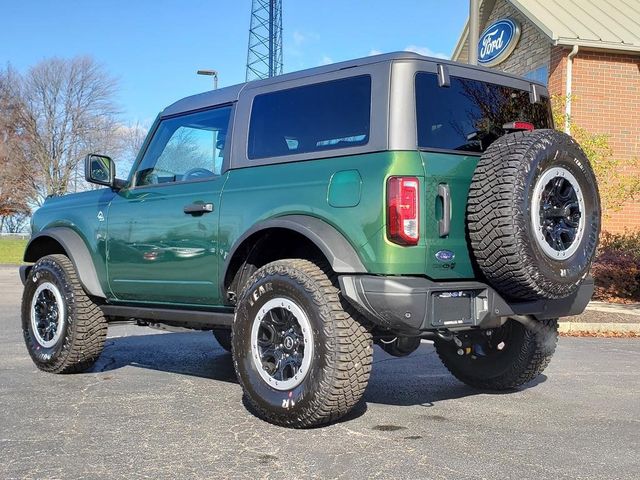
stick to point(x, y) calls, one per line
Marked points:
point(538, 75)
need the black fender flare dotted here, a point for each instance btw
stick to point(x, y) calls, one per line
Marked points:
point(341, 255)
point(77, 251)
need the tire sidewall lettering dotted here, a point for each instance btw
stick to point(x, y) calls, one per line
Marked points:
point(46, 272)
point(259, 294)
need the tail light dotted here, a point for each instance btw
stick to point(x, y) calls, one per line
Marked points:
point(519, 126)
point(403, 210)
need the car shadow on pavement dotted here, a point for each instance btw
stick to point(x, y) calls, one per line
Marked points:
point(418, 379)
point(186, 353)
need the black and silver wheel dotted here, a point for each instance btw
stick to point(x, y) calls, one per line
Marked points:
point(533, 215)
point(282, 343)
point(557, 213)
point(64, 329)
point(501, 358)
point(301, 357)
point(47, 313)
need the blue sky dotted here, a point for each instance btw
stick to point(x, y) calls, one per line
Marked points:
point(155, 47)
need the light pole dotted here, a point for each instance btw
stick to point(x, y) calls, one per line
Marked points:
point(211, 73)
point(474, 30)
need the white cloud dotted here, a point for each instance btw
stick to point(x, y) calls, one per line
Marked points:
point(298, 38)
point(374, 51)
point(326, 60)
point(426, 51)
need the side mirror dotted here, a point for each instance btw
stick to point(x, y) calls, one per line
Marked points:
point(100, 169)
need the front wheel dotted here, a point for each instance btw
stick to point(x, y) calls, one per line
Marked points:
point(64, 329)
point(301, 357)
point(501, 358)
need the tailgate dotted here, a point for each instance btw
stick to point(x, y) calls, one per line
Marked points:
point(447, 253)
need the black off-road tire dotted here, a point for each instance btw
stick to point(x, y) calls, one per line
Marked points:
point(500, 222)
point(223, 337)
point(527, 353)
point(342, 346)
point(85, 327)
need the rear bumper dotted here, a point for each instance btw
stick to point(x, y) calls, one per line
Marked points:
point(414, 304)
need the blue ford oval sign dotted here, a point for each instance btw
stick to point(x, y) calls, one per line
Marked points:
point(497, 42)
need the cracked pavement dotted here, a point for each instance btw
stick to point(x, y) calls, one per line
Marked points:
point(167, 405)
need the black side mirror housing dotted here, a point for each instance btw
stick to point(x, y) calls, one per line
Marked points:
point(101, 170)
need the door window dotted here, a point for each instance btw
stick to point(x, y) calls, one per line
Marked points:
point(186, 148)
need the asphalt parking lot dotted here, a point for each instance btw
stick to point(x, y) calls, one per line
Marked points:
point(167, 405)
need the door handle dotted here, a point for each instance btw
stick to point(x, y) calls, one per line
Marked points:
point(444, 224)
point(198, 208)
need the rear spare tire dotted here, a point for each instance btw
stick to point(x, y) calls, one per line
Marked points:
point(533, 215)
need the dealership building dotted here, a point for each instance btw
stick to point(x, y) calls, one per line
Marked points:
point(586, 50)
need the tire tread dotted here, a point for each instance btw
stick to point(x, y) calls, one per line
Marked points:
point(348, 344)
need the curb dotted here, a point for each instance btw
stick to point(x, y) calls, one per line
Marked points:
point(622, 309)
point(583, 327)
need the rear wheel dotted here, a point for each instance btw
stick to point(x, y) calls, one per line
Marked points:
point(64, 329)
point(501, 358)
point(301, 357)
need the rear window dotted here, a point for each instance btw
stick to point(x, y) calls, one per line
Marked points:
point(469, 115)
point(312, 118)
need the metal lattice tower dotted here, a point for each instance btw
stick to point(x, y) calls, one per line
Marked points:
point(264, 58)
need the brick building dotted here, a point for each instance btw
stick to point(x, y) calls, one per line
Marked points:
point(589, 49)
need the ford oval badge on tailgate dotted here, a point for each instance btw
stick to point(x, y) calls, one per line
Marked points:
point(445, 255)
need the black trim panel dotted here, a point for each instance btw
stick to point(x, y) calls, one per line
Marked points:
point(194, 319)
point(416, 304)
point(341, 255)
point(77, 251)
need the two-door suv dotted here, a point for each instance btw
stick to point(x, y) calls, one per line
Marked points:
point(305, 217)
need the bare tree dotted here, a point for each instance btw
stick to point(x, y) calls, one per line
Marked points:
point(67, 110)
point(16, 189)
point(130, 140)
point(16, 223)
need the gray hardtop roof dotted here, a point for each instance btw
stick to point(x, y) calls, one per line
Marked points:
point(232, 93)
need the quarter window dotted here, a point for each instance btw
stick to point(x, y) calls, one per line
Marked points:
point(186, 148)
point(312, 118)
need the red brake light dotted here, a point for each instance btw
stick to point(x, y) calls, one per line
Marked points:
point(403, 211)
point(519, 126)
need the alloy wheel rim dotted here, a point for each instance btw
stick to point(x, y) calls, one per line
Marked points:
point(557, 213)
point(282, 343)
point(47, 314)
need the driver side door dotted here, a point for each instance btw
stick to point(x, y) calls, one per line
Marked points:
point(162, 231)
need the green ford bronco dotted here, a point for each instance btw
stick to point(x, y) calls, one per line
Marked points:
point(305, 217)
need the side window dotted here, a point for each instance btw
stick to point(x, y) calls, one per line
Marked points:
point(311, 118)
point(186, 148)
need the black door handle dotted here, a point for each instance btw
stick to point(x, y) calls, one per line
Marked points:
point(444, 224)
point(198, 208)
